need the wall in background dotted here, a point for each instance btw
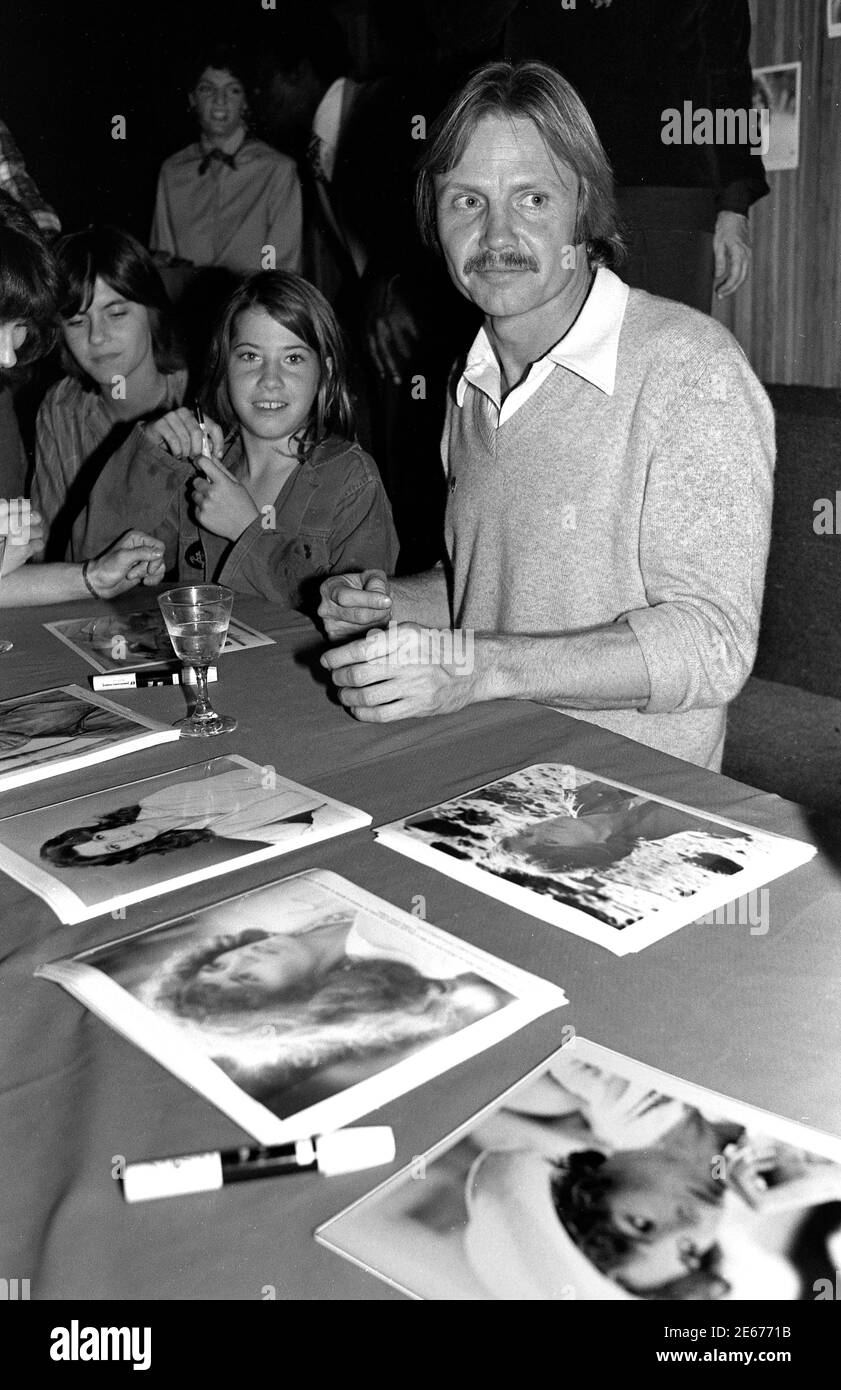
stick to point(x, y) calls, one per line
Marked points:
point(788, 315)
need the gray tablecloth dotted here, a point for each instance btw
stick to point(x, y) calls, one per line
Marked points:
point(755, 1016)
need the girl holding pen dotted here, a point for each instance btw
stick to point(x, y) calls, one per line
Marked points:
point(282, 495)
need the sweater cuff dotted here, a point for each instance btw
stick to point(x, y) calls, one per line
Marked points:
point(661, 642)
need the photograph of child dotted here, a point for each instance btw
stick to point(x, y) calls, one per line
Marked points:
point(136, 841)
point(304, 991)
point(138, 639)
point(611, 853)
point(590, 1182)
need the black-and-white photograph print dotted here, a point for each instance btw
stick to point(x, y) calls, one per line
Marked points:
point(597, 1179)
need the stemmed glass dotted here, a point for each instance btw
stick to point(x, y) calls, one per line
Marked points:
point(5, 644)
point(197, 617)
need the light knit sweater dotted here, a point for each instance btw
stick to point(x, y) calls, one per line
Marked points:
point(652, 504)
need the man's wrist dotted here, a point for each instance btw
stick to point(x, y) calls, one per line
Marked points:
point(493, 676)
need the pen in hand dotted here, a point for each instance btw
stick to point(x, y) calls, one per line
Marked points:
point(205, 442)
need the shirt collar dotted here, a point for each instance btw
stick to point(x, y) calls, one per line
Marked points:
point(328, 113)
point(590, 348)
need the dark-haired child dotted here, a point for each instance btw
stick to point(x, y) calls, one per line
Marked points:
point(123, 365)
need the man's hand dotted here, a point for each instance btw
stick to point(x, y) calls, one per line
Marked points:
point(221, 503)
point(179, 432)
point(404, 672)
point(133, 559)
point(731, 244)
point(21, 547)
point(353, 603)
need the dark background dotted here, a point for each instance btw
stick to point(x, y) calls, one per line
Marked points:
point(67, 69)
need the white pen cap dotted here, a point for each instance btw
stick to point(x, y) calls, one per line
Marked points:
point(172, 1177)
point(350, 1150)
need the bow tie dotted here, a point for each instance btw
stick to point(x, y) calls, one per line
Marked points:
point(222, 157)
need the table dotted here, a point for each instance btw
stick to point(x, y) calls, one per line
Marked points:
point(755, 1016)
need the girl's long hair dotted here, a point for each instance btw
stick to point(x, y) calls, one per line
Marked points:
point(298, 306)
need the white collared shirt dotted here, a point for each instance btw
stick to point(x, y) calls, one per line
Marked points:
point(326, 123)
point(589, 349)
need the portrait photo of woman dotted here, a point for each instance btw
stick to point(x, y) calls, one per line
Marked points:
point(305, 998)
point(296, 1016)
point(145, 838)
point(239, 805)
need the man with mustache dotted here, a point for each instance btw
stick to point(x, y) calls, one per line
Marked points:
point(609, 458)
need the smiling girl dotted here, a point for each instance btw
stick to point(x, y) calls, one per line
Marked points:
point(123, 365)
point(287, 496)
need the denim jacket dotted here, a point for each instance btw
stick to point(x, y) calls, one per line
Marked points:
point(331, 516)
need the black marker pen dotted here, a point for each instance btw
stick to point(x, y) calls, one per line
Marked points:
point(346, 1151)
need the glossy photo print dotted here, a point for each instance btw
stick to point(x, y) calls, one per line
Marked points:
point(112, 848)
point(600, 859)
point(777, 91)
point(58, 730)
point(131, 641)
point(600, 1179)
point(305, 1004)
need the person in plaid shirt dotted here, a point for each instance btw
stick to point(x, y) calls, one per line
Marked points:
point(18, 183)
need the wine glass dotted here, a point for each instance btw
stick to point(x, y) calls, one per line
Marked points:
point(197, 617)
point(5, 644)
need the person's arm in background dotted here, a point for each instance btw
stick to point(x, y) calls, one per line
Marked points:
point(284, 217)
point(133, 559)
point(741, 174)
point(162, 235)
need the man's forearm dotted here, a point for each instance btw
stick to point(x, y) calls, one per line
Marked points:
point(421, 598)
point(600, 669)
